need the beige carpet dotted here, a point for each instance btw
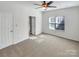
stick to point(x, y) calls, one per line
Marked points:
point(43, 46)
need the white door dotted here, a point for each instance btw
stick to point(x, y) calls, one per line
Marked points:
point(6, 29)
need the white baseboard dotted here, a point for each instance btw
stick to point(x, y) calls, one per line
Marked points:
point(19, 41)
point(5, 46)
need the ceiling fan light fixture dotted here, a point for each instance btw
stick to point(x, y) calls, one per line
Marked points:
point(45, 5)
point(44, 8)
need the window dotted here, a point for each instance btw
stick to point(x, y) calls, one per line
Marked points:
point(56, 23)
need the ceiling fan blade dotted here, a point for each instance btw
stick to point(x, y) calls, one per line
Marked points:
point(44, 2)
point(50, 2)
point(52, 6)
point(37, 4)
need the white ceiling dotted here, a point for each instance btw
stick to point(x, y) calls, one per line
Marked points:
point(65, 4)
point(59, 4)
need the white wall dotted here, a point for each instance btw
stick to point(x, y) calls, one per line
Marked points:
point(38, 15)
point(0, 30)
point(21, 15)
point(71, 22)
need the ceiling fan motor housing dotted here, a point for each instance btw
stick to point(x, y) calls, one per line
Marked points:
point(45, 5)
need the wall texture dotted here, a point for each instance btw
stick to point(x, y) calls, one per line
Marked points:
point(21, 15)
point(71, 22)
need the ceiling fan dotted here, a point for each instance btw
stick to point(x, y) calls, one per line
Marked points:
point(45, 5)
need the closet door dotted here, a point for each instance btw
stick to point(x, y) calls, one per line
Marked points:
point(6, 29)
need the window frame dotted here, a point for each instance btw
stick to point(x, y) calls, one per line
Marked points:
point(54, 22)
